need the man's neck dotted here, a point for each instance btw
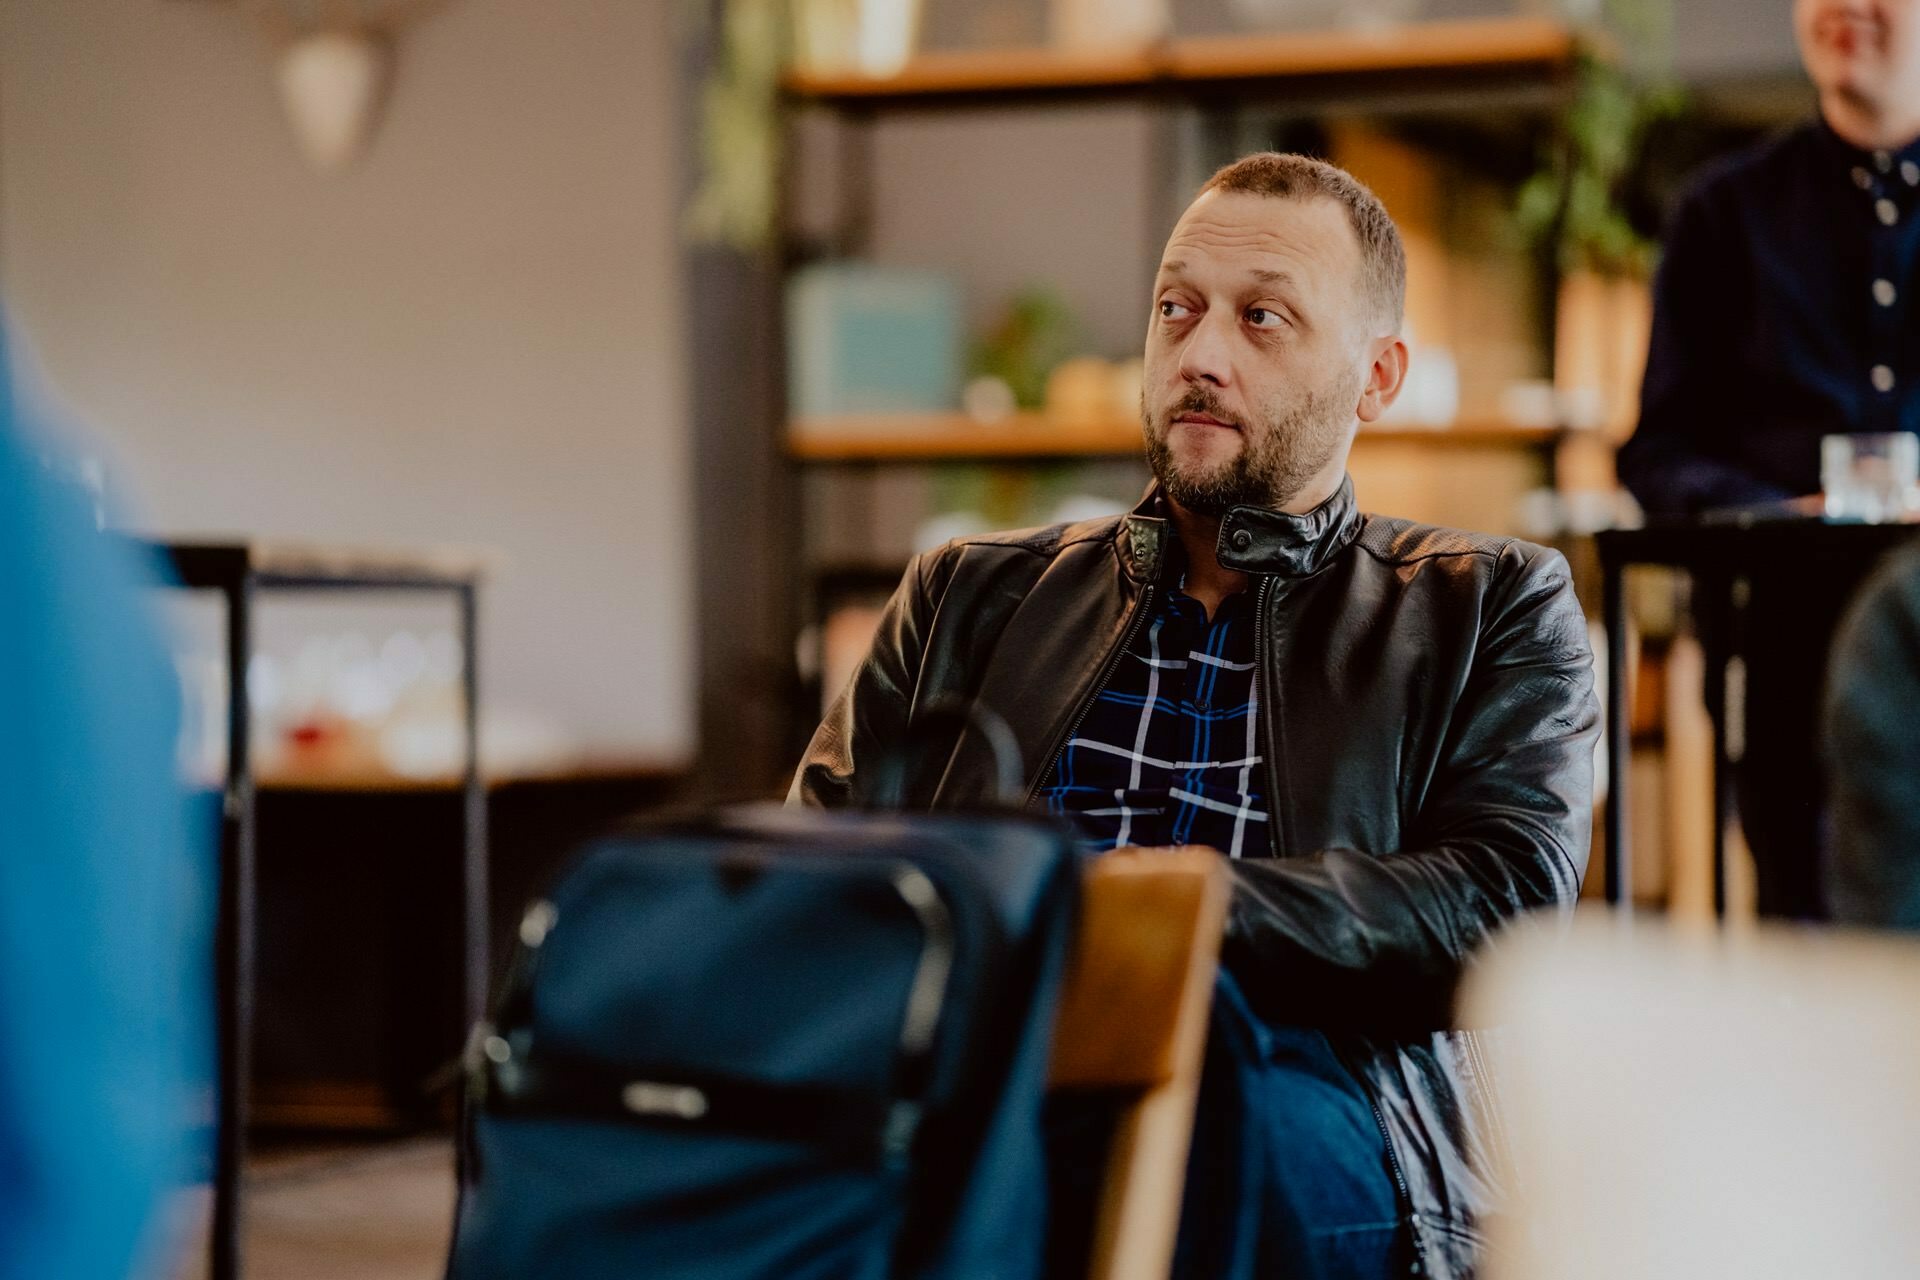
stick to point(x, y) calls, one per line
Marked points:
point(1207, 580)
point(1210, 582)
point(1867, 125)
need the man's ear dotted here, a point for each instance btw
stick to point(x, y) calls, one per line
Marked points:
point(1385, 377)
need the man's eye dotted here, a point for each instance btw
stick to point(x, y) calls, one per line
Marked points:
point(1171, 310)
point(1265, 318)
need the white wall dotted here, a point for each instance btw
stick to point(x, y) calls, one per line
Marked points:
point(1719, 38)
point(475, 338)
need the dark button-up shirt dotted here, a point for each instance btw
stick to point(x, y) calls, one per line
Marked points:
point(1169, 751)
point(1787, 308)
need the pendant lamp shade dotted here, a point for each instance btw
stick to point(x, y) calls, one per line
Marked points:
point(332, 84)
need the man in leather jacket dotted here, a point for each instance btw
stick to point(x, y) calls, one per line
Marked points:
point(1389, 726)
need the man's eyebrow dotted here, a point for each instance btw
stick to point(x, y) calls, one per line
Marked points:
point(1174, 267)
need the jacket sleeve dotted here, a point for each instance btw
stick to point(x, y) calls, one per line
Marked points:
point(1376, 943)
point(865, 730)
point(1669, 464)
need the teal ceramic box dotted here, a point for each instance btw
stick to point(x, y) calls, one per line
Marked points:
point(871, 339)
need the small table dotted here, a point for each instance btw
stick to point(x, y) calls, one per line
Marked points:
point(238, 571)
point(1719, 554)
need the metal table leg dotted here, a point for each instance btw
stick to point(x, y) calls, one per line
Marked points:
point(474, 868)
point(1728, 600)
point(1619, 869)
point(234, 941)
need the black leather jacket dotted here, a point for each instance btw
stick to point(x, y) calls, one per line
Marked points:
point(1428, 724)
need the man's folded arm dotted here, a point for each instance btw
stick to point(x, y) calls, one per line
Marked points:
point(1361, 941)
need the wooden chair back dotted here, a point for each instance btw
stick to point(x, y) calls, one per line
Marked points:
point(1133, 1017)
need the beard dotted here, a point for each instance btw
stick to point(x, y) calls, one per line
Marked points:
point(1278, 455)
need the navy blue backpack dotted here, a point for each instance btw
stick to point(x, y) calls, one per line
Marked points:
point(774, 1044)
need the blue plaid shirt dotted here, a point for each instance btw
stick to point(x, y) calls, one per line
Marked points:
point(1169, 751)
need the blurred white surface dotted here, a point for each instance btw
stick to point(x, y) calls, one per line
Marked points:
point(1698, 1104)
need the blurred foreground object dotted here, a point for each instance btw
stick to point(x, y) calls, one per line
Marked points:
point(103, 897)
point(1872, 754)
point(1691, 1104)
point(766, 1042)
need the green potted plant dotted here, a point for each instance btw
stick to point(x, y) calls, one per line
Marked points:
point(1573, 209)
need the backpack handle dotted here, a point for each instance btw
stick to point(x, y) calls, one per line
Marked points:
point(926, 732)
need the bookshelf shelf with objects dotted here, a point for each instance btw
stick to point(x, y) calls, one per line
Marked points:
point(935, 437)
point(1471, 52)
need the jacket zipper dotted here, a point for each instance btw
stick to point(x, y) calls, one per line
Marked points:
point(1276, 798)
point(1399, 1177)
point(1142, 608)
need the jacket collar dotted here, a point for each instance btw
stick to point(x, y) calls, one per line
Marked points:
point(1252, 539)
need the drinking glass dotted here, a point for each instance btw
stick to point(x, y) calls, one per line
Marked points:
point(1870, 476)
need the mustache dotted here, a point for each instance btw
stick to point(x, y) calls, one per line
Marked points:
point(1201, 400)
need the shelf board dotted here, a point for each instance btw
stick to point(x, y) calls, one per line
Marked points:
point(955, 437)
point(1535, 46)
point(936, 436)
point(1471, 50)
point(985, 73)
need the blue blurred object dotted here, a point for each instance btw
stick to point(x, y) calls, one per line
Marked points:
point(870, 339)
point(105, 894)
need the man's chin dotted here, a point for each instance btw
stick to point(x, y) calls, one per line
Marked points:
point(1204, 454)
point(1206, 494)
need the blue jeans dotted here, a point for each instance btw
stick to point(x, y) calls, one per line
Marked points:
point(1290, 1175)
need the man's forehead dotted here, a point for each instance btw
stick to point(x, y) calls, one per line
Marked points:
point(1276, 238)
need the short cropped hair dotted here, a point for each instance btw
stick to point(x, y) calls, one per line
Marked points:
point(1383, 259)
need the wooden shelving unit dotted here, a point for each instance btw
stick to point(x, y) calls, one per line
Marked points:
point(1473, 51)
point(1204, 95)
point(956, 437)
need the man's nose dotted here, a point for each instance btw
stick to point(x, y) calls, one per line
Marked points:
point(1205, 357)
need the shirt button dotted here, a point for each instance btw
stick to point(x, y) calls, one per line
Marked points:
point(1883, 292)
point(1889, 213)
point(1910, 172)
point(1861, 178)
point(1882, 161)
point(1882, 378)
point(1242, 540)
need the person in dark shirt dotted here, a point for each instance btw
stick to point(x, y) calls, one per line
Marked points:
point(1786, 309)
